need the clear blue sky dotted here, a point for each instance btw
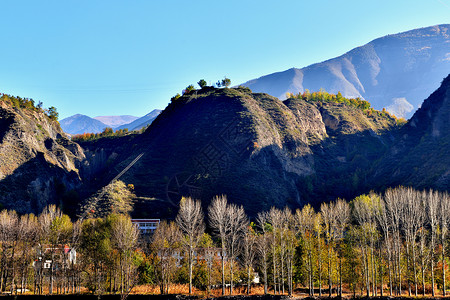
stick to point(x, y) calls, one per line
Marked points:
point(129, 57)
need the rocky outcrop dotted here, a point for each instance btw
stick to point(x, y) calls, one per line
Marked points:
point(37, 161)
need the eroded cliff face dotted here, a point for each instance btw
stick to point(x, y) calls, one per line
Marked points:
point(37, 160)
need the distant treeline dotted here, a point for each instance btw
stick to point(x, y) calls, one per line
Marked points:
point(374, 245)
point(28, 103)
point(107, 132)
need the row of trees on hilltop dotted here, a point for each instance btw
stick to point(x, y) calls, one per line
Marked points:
point(394, 243)
point(28, 103)
point(225, 82)
point(323, 97)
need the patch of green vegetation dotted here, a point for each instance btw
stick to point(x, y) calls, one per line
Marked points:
point(321, 97)
point(39, 126)
point(244, 89)
point(29, 104)
point(107, 132)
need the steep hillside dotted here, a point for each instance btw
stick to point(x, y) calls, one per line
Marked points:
point(420, 156)
point(396, 71)
point(258, 150)
point(79, 124)
point(38, 164)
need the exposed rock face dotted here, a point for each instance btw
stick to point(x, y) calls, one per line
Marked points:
point(396, 71)
point(37, 161)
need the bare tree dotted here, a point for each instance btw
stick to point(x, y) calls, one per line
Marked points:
point(28, 229)
point(190, 220)
point(305, 223)
point(342, 213)
point(124, 237)
point(432, 212)
point(219, 222)
point(443, 219)
point(56, 230)
point(263, 244)
point(75, 276)
point(237, 220)
point(384, 223)
point(166, 243)
point(394, 209)
point(424, 251)
point(8, 226)
point(248, 250)
point(410, 221)
point(276, 219)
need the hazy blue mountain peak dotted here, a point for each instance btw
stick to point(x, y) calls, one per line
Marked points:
point(396, 71)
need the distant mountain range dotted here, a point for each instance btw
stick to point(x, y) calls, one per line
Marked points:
point(78, 124)
point(395, 72)
point(116, 121)
point(141, 122)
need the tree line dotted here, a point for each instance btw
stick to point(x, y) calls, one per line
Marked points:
point(107, 132)
point(49, 253)
point(374, 245)
point(28, 103)
point(323, 96)
point(225, 82)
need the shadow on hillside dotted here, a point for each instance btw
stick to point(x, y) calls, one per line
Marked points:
point(36, 184)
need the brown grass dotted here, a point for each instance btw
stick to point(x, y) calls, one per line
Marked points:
point(240, 290)
point(184, 289)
